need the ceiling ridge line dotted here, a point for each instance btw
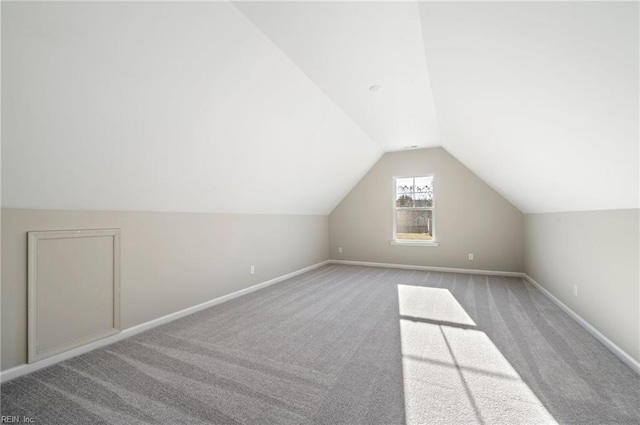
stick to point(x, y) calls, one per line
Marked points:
point(292, 62)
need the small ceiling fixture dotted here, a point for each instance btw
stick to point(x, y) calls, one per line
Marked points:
point(375, 88)
point(410, 147)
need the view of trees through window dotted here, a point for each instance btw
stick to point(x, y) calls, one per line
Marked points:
point(414, 208)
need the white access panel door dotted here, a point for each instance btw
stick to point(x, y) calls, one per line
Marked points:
point(74, 289)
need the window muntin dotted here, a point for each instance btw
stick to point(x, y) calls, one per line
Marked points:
point(413, 208)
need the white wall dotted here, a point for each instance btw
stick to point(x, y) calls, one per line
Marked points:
point(470, 217)
point(185, 111)
point(171, 107)
point(169, 261)
point(598, 251)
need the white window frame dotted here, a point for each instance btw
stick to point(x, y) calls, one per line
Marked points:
point(406, 242)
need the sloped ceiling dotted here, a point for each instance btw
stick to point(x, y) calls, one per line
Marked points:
point(538, 99)
point(347, 47)
point(166, 107)
point(265, 107)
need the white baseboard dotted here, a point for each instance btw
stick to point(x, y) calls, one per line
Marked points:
point(24, 369)
point(427, 268)
point(619, 352)
point(615, 349)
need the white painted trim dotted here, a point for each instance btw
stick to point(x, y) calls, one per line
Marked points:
point(24, 369)
point(413, 243)
point(34, 352)
point(619, 352)
point(395, 240)
point(427, 268)
point(610, 345)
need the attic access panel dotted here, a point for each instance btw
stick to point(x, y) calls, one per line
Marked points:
point(74, 289)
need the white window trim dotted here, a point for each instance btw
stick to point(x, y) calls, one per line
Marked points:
point(414, 243)
point(395, 241)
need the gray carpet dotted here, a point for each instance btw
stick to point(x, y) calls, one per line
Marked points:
point(347, 345)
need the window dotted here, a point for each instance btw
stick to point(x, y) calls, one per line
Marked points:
point(413, 210)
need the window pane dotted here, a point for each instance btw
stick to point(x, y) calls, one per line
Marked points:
point(424, 191)
point(414, 225)
point(408, 182)
point(404, 201)
point(404, 192)
point(421, 199)
point(424, 181)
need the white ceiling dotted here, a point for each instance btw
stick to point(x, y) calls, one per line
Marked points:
point(166, 107)
point(265, 107)
point(540, 99)
point(347, 47)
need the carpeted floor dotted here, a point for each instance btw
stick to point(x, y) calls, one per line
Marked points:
point(347, 345)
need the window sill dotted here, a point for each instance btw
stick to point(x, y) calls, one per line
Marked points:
point(413, 243)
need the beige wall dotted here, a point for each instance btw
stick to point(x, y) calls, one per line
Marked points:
point(470, 217)
point(598, 251)
point(169, 261)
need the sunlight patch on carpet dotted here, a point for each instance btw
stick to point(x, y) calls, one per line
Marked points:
point(452, 371)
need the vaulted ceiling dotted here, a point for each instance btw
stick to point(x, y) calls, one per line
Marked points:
point(266, 107)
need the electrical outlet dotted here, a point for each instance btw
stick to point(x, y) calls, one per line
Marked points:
point(253, 269)
point(575, 290)
point(470, 257)
point(339, 250)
